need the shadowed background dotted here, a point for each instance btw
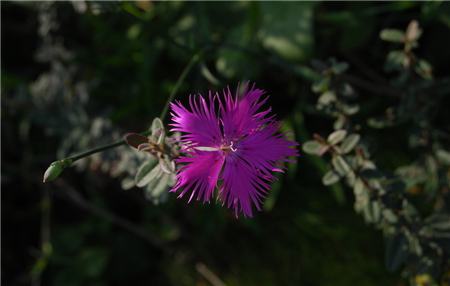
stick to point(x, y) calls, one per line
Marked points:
point(79, 74)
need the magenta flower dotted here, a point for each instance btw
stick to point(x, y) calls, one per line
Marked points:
point(230, 145)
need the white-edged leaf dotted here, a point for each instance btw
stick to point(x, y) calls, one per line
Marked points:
point(337, 136)
point(167, 165)
point(156, 190)
point(340, 165)
point(158, 132)
point(128, 183)
point(147, 172)
point(349, 143)
point(314, 148)
point(392, 35)
point(330, 178)
point(326, 98)
point(208, 75)
point(389, 216)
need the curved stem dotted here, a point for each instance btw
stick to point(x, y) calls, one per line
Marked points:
point(180, 80)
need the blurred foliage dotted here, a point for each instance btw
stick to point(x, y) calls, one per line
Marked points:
point(79, 74)
point(419, 244)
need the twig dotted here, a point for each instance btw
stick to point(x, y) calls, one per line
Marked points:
point(180, 80)
point(209, 275)
point(369, 86)
point(81, 202)
point(46, 247)
point(370, 73)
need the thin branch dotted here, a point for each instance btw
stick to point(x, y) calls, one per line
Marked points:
point(46, 247)
point(209, 275)
point(74, 196)
point(180, 80)
point(369, 72)
point(371, 87)
point(96, 150)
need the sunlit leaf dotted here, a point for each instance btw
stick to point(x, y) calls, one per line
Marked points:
point(337, 136)
point(330, 178)
point(396, 60)
point(443, 156)
point(326, 98)
point(424, 69)
point(286, 29)
point(349, 143)
point(147, 172)
point(314, 148)
point(340, 165)
point(413, 32)
point(209, 75)
point(392, 35)
point(158, 132)
point(321, 85)
point(389, 215)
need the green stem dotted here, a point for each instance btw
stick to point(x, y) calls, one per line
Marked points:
point(180, 80)
point(96, 150)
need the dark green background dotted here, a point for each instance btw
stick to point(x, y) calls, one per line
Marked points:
point(130, 56)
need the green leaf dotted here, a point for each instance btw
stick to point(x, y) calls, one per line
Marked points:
point(340, 122)
point(208, 75)
point(439, 222)
point(92, 261)
point(128, 183)
point(375, 208)
point(147, 172)
point(396, 251)
point(349, 143)
point(156, 190)
point(350, 109)
point(330, 178)
point(339, 67)
point(232, 62)
point(314, 148)
point(396, 60)
point(361, 195)
point(326, 98)
point(358, 188)
point(340, 165)
point(321, 85)
point(392, 35)
point(337, 136)
point(424, 69)
point(167, 165)
point(287, 29)
point(389, 216)
point(158, 132)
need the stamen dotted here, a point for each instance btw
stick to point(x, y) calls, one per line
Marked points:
point(231, 147)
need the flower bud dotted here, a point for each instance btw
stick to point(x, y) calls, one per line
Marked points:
point(55, 169)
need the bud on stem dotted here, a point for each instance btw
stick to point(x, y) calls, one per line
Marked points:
point(55, 169)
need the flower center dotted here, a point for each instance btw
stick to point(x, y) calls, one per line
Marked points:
point(227, 148)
